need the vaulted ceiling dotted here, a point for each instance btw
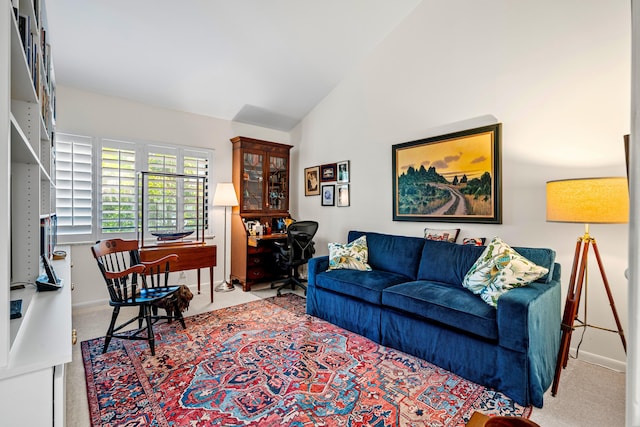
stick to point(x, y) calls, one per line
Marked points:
point(264, 62)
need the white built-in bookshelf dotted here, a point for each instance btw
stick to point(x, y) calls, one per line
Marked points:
point(35, 347)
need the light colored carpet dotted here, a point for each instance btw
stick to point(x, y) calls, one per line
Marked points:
point(588, 395)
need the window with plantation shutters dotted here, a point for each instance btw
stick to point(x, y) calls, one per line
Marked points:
point(195, 163)
point(117, 187)
point(96, 188)
point(74, 177)
point(162, 192)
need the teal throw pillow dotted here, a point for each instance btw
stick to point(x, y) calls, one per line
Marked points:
point(352, 256)
point(499, 269)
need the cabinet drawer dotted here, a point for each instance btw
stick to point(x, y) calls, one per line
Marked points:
point(256, 273)
point(258, 250)
point(255, 260)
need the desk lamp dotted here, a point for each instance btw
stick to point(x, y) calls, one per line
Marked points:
point(587, 201)
point(225, 196)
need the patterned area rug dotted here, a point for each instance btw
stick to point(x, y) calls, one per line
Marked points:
point(266, 363)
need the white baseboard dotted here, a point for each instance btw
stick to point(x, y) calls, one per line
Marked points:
point(596, 359)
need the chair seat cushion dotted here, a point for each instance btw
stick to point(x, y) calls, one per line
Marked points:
point(440, 302)
point(151, 295)
point(364, 285)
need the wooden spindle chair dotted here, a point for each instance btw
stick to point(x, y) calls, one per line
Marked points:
point(132, 283)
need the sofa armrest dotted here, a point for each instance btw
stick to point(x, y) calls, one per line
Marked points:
point(316, 265)
point(529, 317)
point(529, 322)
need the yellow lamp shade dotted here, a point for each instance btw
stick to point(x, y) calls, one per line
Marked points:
point(588, 200)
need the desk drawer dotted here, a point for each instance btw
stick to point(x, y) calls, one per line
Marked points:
point(256, 273)
point(253, 261)
point(259, 250)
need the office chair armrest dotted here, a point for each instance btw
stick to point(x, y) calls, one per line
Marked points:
point(160, 261)
point(138, 268)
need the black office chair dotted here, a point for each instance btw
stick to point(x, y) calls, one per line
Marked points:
point(297, 251)
point(120, 265)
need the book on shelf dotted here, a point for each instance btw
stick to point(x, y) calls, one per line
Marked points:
point(16, 309)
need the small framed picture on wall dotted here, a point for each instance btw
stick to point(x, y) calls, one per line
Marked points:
point(328, 195)
point(328, 172)
point(343, 195)
point(312, 181)
point(343, 171)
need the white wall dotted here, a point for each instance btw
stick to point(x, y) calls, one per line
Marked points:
point(99, 116)
point(555, 73)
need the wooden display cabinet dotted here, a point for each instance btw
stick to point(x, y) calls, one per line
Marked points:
point(261, 181)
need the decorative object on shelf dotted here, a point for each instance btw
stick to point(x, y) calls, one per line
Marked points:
point(312, 181)
point(343, 195)
point(172, 236)
point(225, 196)
point(328, 195)
point(343, 172)
point(587, 201)
point(462, 182)
point(328, 172)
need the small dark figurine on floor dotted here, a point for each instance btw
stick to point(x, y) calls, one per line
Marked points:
point(183, 295)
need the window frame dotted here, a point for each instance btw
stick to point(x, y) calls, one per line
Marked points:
point(142, 151)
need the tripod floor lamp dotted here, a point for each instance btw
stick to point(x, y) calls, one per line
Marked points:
point(587, 201)
point(225, 196)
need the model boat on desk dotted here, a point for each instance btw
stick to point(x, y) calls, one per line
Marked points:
point(170, 236)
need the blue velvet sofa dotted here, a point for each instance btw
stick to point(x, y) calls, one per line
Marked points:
point(413, 300)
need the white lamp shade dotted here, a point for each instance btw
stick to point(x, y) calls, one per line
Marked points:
point(588, 200)
point(225, 195)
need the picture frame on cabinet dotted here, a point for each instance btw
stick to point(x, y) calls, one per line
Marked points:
point(343, 172)
point(312, 181)
point(328, 172)
point(328, 195)
point(343, 195)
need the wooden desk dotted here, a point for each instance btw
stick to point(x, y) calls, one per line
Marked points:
point(255, 240)
point(190, 256)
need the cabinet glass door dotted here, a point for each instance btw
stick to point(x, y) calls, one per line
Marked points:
point(277, 184)
point(252, 177)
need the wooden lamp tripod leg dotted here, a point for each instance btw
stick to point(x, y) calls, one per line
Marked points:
point(573, 303)
point(571, 308)
point(610, 296)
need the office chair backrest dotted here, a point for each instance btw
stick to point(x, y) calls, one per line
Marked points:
point(300, 239)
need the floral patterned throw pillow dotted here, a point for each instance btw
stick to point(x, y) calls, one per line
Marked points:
point(499, 269)
point(352, 256)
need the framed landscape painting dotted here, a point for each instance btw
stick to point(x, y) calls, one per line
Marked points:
point(449, 178)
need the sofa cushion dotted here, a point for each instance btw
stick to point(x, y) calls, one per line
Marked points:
point(499, 269)
point(447, 262)
point(455, 307)
point(395, 254)
point(352, 256)
point(364, 285)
